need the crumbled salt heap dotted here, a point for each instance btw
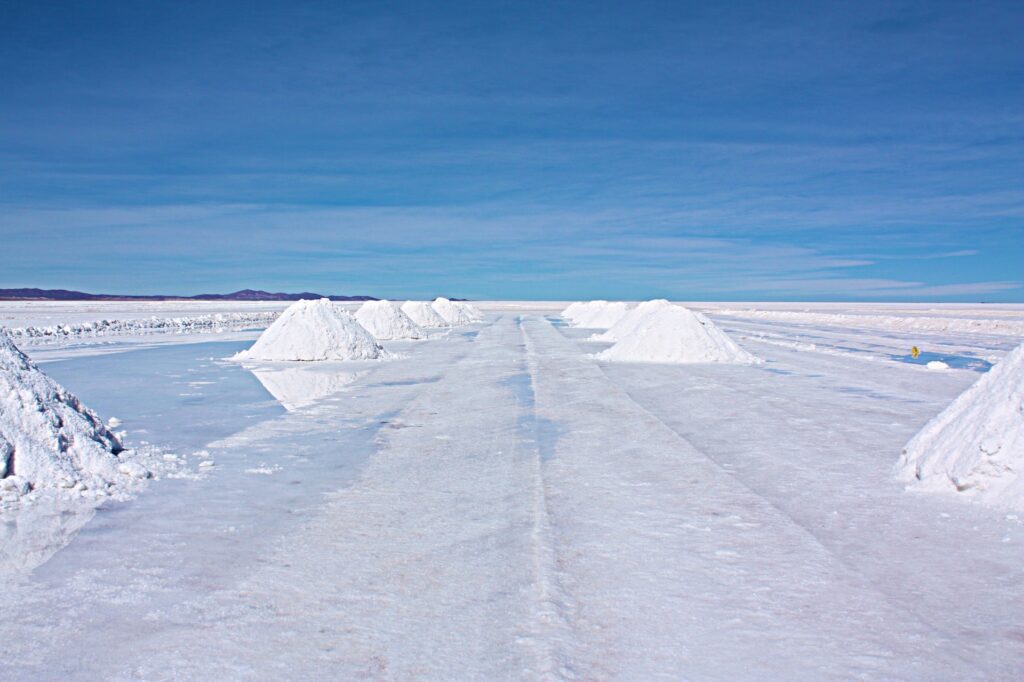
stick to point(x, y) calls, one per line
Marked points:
point(455, 313)
point(423, 314)
point(976, 445)
point(599, 314)
point(314, 330)
point(631, 321)
point(675, 334)
point(48, 438)
point(386, 321)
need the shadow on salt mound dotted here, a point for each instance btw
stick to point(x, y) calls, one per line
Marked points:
point(48, 438)
point(386, 321)
point(456, 313)
point(976, 445)
point(298, 386)
point(424, 315)
point(677, 335)
point(312, 331)
point(633, 320)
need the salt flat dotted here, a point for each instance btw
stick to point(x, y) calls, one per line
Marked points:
point(496, 504)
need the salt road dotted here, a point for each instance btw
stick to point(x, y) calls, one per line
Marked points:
point(497, 505)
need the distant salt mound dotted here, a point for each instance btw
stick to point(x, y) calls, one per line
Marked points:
point(455, 313)
point(386, 321)
point(600, 315)
point(471, 311)
point(581, 309)
point(423, 314)
point(976, 445)
point(48, 438)
point(677, 335)
point(314, 330)
point(633, 320)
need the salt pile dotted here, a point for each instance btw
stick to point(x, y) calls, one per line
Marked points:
point(455, 313)
point(598, 314)
point(976, 445)
point(581, 309)
point(314, 330)
point(631, 321)
point(48, 438)
point(386, 321)
point(675, 334)
point(423, 314)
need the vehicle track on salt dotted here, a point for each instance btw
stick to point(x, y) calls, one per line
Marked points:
point(717, 578)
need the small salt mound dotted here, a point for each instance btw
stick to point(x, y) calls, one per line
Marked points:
point(454, 313)
point(601, 316)
point(581, 309)
point(631, 321)
point(677, 335)
point(571, 309)
point(471, 311)
point(976, 445)
point(423, 314)
point(386, 321)
point(314, 330)
point(48, 438)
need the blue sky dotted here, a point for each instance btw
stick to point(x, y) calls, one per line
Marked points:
point(729, 151)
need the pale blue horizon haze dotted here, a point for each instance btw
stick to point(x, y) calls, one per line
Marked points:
point(515, 150)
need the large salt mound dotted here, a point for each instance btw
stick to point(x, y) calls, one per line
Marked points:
point(677, 335)
point(976, 445)
point(386, 321)
point(314, 330)
point(48, 438)
point(423, 314)
point(455, 313)
point(601, 315)
point(631, 321)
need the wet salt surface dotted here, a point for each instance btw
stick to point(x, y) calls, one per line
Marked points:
point(180, 397)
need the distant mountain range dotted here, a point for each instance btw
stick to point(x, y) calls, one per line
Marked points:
point(243, 295)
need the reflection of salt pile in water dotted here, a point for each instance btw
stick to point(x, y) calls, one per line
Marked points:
point(48, 439)
point(629, 323)
point(314, 330)
point(675, 334)
point(456, 313)
point(423, 314)
point(296, 386)
point(976, 445)
point(596, 314)
point(386, 321)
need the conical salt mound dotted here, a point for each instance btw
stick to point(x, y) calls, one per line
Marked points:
point(472, 312)
point(48, 438)
point(600, 315)
point(675, 334)
point(976, 445)
point(454, 313)
point(631, 321)
point(581, 309)
point(314, 330)
point(423, 314)
point(571, 310)
point(386, 321)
